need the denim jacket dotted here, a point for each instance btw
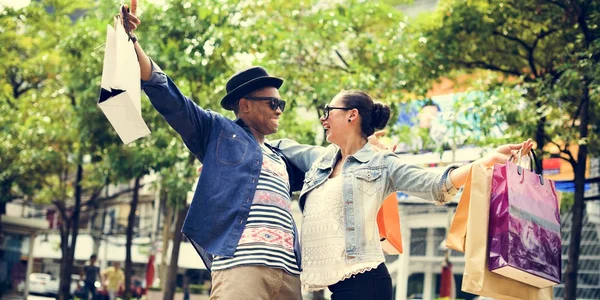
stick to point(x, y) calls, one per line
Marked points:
point(232, 161)
point(368, 177)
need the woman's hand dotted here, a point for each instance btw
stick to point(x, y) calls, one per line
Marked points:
point(458, 177)
point(504, 152)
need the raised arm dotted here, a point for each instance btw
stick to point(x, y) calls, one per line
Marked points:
point(191, 122)
point(417, 181)
point(132, 24)
point(500, 156)
point(302, 156)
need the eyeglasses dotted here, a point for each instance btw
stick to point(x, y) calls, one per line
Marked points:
point(275, 102)
point(328, 109)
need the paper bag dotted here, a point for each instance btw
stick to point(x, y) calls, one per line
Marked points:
point(388, 222)
point(477, 278)
point(120, 93)
point(456, 236)
point(524, 227)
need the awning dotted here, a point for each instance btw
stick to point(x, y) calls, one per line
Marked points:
point(23, 226)
point(569, 186)
point(49, 247)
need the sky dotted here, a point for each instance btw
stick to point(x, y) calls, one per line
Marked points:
point(16, 4)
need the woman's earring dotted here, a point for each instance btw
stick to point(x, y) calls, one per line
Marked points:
point(349, 120)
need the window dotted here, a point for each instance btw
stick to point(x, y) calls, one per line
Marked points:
point(418, 241)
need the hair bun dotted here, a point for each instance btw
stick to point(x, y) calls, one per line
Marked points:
point(380, 115)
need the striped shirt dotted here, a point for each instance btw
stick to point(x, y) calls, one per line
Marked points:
point(268, 238)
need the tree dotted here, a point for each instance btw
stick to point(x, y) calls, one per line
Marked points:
point(23, 70)
point(41, 166)
point(133, 162)
point(353, 45)
point(549, 49)
point(177, 183)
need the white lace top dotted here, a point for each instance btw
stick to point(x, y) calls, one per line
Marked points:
point(323, 242)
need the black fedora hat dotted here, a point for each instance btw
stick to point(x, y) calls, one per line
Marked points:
point(244, 82)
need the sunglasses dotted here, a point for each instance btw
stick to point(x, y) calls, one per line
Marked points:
point(274, 104)
point(328, 109)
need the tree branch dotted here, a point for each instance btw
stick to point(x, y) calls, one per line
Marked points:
point(62, 209)
point(589, 35)
point(542, 35)
point(530, 57)
point(555, 74)
point(485, 65)
point(73, 99)
point(10, 104)
point(304, 63)
point(566, 151)
point(557, 3)
point(116, 195)
point(18, 93)
point(95, 194)
point(577, 113)
point(341, 58)
point(514, 39)
point(508, 54)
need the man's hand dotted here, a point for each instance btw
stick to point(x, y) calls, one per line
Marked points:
point(377, 145)
point(132, 24)
point(133, 21)
point(504, 152)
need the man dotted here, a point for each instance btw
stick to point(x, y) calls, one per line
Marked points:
point(113, 278)
point(240, 218)
point(90, 271)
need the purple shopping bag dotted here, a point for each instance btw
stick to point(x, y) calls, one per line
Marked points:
point(524, 227)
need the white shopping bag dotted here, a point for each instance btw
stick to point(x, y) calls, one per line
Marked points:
point(120, 93)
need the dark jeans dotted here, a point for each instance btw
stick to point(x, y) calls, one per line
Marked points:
point(89, 288)
point(374, 285)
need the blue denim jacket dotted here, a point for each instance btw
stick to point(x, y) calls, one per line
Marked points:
point(232, 160)
point(368, 177)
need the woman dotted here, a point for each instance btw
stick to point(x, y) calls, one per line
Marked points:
point(344, 187)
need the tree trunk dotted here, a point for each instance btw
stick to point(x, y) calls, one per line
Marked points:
point(578, 204)
point(2, 212)
point(3, 208)
point(99, 232)
point(166, 237)
point(71, 229)
point(540, 136)
point(130, 225)
point(171, 282)
point(95, 231)
point(64, 247)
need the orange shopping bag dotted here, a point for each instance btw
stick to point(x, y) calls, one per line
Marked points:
point(388, 222)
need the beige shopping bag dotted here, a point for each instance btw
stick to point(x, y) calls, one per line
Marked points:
point(458, 229)
point(120, 93)
point(477, 279)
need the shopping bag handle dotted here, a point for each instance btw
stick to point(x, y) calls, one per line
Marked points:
point(538, 164)
point(533, 160)
point(124, 12)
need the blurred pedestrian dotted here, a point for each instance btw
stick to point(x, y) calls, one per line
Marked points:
point(113, 279)
point(91, 273)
